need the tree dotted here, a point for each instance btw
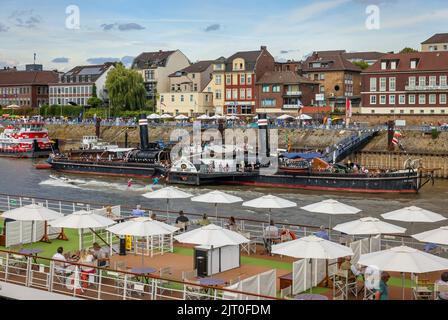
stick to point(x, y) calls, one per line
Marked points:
point(126, 89)
point(408, 50)
point(94, 102)
point(362, 64)
point(94, 94)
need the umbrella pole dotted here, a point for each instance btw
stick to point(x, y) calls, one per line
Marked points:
point(311, 273)
point(216, 211)
point(167, 212)
point(402, 284)
point(329, 229)
point(143, 257)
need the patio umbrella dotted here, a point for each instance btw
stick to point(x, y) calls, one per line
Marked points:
point(153, 116)
point(11, 107)
point(233, 117)
point(203, 117)
point(331, 207)
point(285, 117)
point(413, 214)
point(166, 116)
point(368, 226)
point(304, 117)
point(167, 193)
point(312, 247)
point(82, 220)
point(404, 259)
point(270, 202)
point(439, 236)
point(142, 227)
point(217, 197)
point(181, 117)
point(33, 212)
point(213, 236)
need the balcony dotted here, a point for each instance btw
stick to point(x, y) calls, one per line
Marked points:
point(291, 106)
point(293, 93)
point(425, 88)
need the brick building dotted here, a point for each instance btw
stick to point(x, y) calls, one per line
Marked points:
point(25, 88)
point(410, 83)
point(438, 42)
point(242, 71)
point(284, 92)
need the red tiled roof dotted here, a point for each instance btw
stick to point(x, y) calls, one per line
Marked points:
point(368, 55)
point(283, 77)
point(335, 63)
point(437, 38)
point(428, 61)
point(12, 77)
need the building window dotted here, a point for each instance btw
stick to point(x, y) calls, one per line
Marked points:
point(413, 64)
point(235, 94)
point(372, 111)
point(412, 99)
point(432, 111)
point(218, 94)
point(421, 99)
point(249, 93)
point(173, 99)
point(401, 99)
point(393, 65)
point(382, 99)
point(383, 65)
point(249, 79)
point(382, 84)
point(432, 99)
point(442, 98)
point(372, 84)
point(242, 94)
point(443, 80)
point(228, 94)
point(195, 87)
point(322, 89)
point(422, 81)
point(228, 79)
point(401, 111)
point(218, 79)
point(392, 111)
point(372, 99)
point(191, 98)
point(321, 76)
point(243, 79)
point(392, 99)
point(265, 88)
point(422, 111)
point(246, 109)
point(232, 110)
point(276, 88)
point(412, 81)
point(392, 84)
point(432, 81)
point(268, 102)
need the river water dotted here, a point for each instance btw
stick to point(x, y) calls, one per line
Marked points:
point(19, 177)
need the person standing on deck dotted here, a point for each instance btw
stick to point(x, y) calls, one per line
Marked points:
point(138, 212)
point(383, 292)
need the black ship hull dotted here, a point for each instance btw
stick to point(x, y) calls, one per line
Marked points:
point(26, 155)
point(394, 183)
point(107, 168)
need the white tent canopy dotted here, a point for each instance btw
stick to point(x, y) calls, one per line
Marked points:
point(203, 117)
point(438, 236)
point(32, 212)
point(368, 226)
point(82, 220)
point(270, 202)
point(413, 214)
point(212, 235)
point(312, 247)
point(153, 116)
point(404, 259)
point(217, 197)
point(166, 116)
point(285, 117)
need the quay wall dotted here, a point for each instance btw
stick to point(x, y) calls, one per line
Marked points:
point(411, 120)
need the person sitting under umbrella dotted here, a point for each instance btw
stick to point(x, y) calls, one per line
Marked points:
point(348, 265)
point(100, 254)
point(322, 233)
point(271, 235)
point(138, 212)
point(182, 220)
point(444, 282)
point(204, 221)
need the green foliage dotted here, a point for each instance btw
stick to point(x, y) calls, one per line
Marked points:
point(362, 64)
point(55, 111)
point(126, 90)
point(20, 112)
point(408, 50)
point(435, 133)
point(94, 94)
point(94, 102)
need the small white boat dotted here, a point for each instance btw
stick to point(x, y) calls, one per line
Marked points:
point(59, 178)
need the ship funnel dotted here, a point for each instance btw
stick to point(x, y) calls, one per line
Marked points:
point(263, 135)
point(144, 135)
point(98, 127)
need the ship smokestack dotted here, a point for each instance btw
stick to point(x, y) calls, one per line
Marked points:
point(144, 136)
point(390, 135)
point(263, 135)
point(97, 127)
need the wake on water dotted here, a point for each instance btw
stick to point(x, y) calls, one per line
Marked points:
point(98, 185)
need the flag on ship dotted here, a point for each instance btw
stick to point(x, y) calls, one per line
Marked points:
point(348, 108)
point(396, 139)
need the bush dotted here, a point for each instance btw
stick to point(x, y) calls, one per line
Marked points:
point(435, 133)
point(56, 110)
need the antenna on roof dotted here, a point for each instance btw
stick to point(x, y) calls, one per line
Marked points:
point(34, 58)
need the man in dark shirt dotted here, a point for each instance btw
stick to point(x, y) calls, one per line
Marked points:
point(182, 219)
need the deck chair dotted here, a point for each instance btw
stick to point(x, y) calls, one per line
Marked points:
point(439, 288)
point(249, 247)
point(17, 262)
point(422, 289)
point(369, 293)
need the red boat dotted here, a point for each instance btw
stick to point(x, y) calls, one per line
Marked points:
point(25, 140)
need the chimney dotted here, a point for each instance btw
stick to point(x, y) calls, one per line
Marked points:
point(144, 137)
point(263, 137)
point(263, 48)
point(98, 127)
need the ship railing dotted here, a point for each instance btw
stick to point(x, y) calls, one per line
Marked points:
point(253, 226)
point(106, 283)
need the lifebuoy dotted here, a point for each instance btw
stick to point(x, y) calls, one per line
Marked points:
point(290, 233)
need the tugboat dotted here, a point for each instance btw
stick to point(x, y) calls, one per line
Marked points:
point(26, 140)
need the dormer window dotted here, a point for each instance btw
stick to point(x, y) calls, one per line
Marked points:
point(393, 65)
point(413, 64)
point(383, 65)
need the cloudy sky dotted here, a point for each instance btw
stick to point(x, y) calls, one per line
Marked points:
point(207, 29)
